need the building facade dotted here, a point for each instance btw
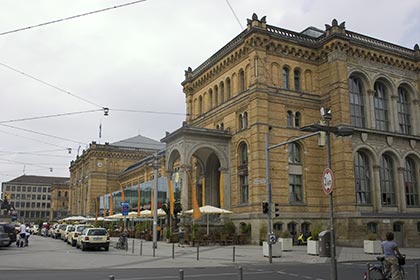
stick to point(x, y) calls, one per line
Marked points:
point(270, 82)
point(31, 196)
point(59, 200)
point(96, 171)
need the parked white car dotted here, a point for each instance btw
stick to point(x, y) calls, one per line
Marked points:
point(95, 238)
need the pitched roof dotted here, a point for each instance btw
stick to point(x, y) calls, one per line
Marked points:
point(140, 142)
point(33, 179)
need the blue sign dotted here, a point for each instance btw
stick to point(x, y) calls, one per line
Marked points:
point(124, 208)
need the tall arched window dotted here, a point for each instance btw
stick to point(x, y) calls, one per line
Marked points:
point(286, 78)
point(297, 119)
point(222, 92)
point(289, 121)
point(381, 107)
point(200, 105)
point(403, 111)
point(241, 80)
point(387, 184)
point(228, 89)
point(357, 116)
point(245, 120)
point(243, 173)
point(295, 174)
point(297, 79)
point(211, 98)
point(216, 95)
point(410, 183)
point(362, 178)
point(241, 121)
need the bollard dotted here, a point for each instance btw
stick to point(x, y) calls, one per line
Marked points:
point(198, 252)
point(233, 254)
point(111, 277)
point(141, 247)
point(241, 275)
point(173, 250)
point(154, 249)
point(416, 266)
point(132, 248)
point(181, 274)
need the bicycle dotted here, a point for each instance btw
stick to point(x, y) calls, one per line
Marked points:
point(122, 242)
point(379, 272)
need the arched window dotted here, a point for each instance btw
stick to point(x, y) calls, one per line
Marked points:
point(216, 95)
point(289, 121)
point(297, 119)
point(403, 111)
point(217, 127)
point(381, 107)
point(386, 174)
point(59, 193)
point(297, 79)
point(295, 174)
point(286, 78)
point(241, 80)
point(241, 122)
point(292, 228)
point(372, 227)
point(222, 92)
point(278, 227)
point(222, 126)
point(357, 116)
point(410, 183)
point(245, 120)
point(211, 98)
point(243, 173)
point(305, 228)
point(228, 89)
point(362, 178)
point(200, 105)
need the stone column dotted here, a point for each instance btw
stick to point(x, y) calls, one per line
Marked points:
point(376, 190)
point(393, 114)
point(415, 115)
point(400, 190)
point(185, 182)
point(370, 109)
point(226, 188)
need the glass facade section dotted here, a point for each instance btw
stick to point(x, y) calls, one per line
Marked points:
point(361, 176)
point(356, 103)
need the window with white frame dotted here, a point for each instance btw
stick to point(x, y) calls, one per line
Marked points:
point(357, 117)
point(381, 107)
point(403, 111)
point(243, 173)
point(362, 178)
point(295, 174)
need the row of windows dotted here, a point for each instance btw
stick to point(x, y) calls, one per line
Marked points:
point(23, 204)
point(363, 178)
point(293, 119)
point(34, 214)
point(388, 180)
point(29, 196)
point(26, 189)
point(381, 106)
point(64, 193)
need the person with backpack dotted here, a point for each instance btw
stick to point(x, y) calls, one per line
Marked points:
point(391, 253)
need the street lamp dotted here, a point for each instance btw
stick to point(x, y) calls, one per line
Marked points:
point(326, 115)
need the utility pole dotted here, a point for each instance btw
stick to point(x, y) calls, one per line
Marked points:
point(155, 201)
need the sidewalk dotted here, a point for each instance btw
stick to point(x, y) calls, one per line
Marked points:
point(211, 255)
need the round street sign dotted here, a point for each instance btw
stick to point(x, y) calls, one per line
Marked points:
point(327, 181)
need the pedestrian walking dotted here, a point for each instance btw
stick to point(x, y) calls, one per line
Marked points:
point(392, 253)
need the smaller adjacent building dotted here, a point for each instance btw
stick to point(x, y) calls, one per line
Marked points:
point(59, 200)
point(31, 195)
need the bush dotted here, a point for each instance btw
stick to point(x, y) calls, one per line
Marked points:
point(263, 232)
point(315, 231)
point(229, 228)
point(286, 234)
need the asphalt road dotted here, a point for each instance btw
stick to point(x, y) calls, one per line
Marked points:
point(50, 259)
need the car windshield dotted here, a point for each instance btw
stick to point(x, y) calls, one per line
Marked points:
point(97, 232)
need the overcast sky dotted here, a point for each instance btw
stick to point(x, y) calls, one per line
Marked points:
point(133, 58)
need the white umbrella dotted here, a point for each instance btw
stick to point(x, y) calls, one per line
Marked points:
point(74, 218)
point(92, 219)
point(148, 213)
point(208, 209)
point(116, 216)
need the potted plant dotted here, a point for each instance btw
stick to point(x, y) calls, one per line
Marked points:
point(286, 241)
point(371, 245)
point(313, 243)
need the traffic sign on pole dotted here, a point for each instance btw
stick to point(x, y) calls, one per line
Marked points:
point(327, 181)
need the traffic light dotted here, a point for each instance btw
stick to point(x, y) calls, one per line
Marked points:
point(264, 207)
point(275, 210)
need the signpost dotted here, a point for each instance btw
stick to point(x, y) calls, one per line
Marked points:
point(124, 212)
point(327, 181)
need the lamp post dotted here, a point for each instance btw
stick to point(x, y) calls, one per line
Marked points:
point(339, 131)
point(155, 201)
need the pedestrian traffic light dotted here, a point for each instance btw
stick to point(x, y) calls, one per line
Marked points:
point(275, 210)
point(264, 207)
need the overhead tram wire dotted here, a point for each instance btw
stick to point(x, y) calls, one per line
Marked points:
point(233, 11)
point(71, 17)
point(50, 116)
point(35, 140)
point(43, 134)
point(147, 112)
point(51, 85)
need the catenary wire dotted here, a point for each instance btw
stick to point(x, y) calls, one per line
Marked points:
point(32, 139)
point(147, 112)
point(233, 11)
point(50, 85)
point(50, 116)
point(71, 17)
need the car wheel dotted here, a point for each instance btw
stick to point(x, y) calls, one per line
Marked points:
point(83, 247)
point(106, 248)
point(73, 243)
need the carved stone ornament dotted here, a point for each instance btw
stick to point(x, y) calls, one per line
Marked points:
point(364, 137)
point(413, 143)
point(389, 140)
